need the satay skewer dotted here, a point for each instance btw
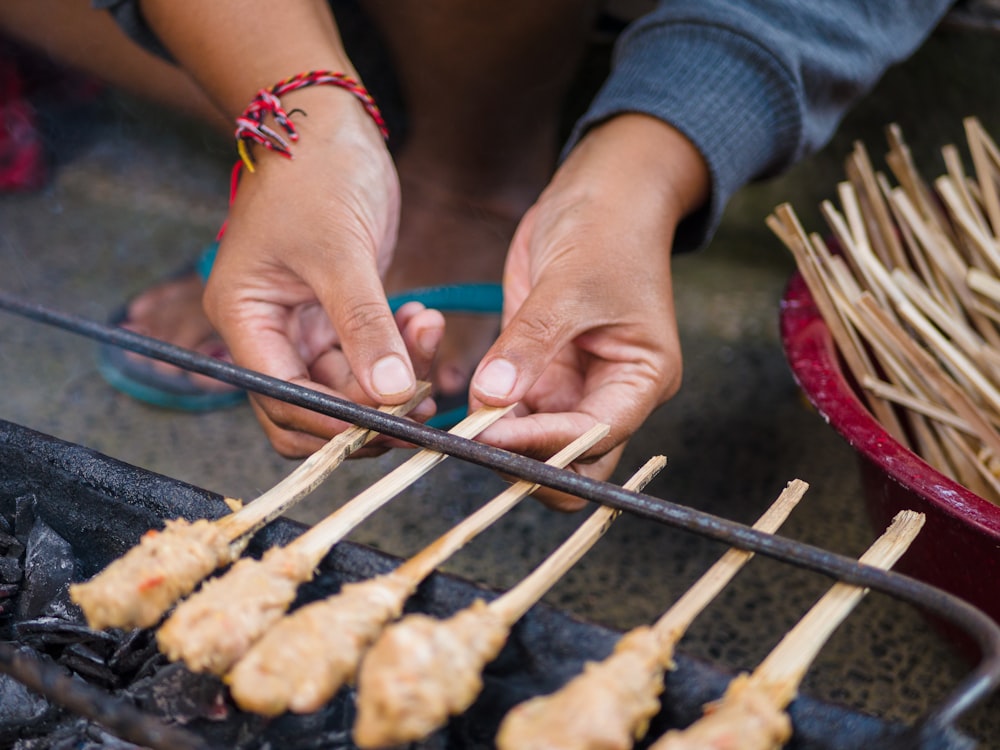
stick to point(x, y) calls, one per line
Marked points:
point(423, 670)
point(751, 714)
point(214, 627)
point(135, 590)
point(983, 283)
point(608, 706)
point(301, 662)
point(922, 406)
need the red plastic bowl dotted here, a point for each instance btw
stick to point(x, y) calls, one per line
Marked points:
point(959, 549)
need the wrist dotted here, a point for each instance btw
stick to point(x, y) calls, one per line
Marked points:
point(268, 120)
point(655, 157)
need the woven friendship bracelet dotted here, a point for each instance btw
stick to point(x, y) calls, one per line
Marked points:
point(250, 125)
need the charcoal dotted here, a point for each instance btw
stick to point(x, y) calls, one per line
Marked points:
point(133, 654)
point(8, 590)
point(10, 545)
point(303, 731)
point(56, 631)
point(20, 709)
point(10, 569)
point(182, 696)
point(75, 735)
point(49, 568)
point(89, 664)
point(24, 517)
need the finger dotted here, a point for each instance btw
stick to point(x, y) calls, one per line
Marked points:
point(356, 303)
point(422, 330)
point(528, 343)
point(600, 469)
point(541, 435)
point(277, 418)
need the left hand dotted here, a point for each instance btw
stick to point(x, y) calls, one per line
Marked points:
point(590, 333)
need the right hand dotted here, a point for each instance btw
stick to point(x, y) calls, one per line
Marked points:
point(296, 289)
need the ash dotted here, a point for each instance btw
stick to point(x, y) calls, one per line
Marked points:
point(37, 566)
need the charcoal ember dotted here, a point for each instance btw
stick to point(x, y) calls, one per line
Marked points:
point(330, 727)
point(136, 655)
point(24, 517)
point(21, 710)
point(11, 569)
point(10, 545)
point(49, 567)
point(181, 696)
point(8, 590)
point(75, 735)
point(89, 664)
point(57, 631)
point(74, 646)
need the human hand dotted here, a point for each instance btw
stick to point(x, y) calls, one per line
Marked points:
point(296, 292)
point(590, 334)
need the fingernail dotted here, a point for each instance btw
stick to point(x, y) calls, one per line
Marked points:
point(497, 379)
point(390, 376)
point(429, 339)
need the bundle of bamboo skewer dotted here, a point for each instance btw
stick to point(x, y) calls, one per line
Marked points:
point(911, 296)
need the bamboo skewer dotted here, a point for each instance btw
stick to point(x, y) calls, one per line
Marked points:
point(931, 373)
point(960, 181)
point(900, 161)
point(861, 173)
point(214, 627)
point(753, 707)
point(608, 706)
point(810, 262)
point(986, 159)
point(518, 600)
point(901, 374)
point(976, 233)
point(312, 472)
point(951, 264)
point(904, 398)
point(971, 472)
point(915, 303)
point(301, 662)
point(136, 590)
point(422, 670)
point(984, 284)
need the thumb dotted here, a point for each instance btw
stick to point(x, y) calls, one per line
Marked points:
point(526, 346)
point(369, 336)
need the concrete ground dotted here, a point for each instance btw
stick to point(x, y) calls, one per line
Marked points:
point(135, 194)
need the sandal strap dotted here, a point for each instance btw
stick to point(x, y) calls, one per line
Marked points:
point(465, 298)
point(483, 297)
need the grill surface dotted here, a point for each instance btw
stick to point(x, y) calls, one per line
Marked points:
point(101, 506)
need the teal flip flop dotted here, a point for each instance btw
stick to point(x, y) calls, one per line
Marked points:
point(140, 380)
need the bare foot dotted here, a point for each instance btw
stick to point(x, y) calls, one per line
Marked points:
point(171, 311)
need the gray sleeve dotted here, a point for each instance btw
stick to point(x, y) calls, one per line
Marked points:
point(128, 16)
point(756, 85)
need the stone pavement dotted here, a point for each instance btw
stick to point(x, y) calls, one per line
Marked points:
point(135, 194)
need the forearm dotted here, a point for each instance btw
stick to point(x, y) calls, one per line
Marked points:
point(755, 85)
point(234, 48)
point(642, 160)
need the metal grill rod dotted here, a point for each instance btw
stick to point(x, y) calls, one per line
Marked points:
point(56, 684)
point(981, 682)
